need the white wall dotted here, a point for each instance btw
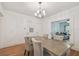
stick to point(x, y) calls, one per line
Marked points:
point(73, 15)
point(0, 23)
point(12, 26)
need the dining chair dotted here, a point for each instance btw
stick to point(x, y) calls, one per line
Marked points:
point(37, 46)
point(45, 36)
point(58, 37)
point(28, 46)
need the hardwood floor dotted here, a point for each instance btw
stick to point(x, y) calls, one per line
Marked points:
point(18, 50)
point(74, 53)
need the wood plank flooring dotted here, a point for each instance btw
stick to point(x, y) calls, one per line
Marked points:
point(18, 50)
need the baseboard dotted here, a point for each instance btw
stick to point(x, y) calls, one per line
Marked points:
point(75, 48)
point(11, 45)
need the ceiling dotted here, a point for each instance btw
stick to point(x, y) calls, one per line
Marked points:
point(29, 8)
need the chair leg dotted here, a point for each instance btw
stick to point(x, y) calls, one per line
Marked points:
point(28, 53)
point(25, 52)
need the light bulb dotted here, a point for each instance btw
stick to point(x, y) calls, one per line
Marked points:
point(44, 12)
point(39, 15)
point(35, 14)
point(38, 11)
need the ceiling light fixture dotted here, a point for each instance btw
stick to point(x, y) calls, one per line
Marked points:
point(40, 13)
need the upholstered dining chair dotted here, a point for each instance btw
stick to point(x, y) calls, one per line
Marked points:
point(58, 37)
point(45, 36)
point(28, 46)
point(37, 46)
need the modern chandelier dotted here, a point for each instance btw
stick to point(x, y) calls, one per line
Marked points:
point(40, 13)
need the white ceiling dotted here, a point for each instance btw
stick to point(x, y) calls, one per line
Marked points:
point(29, 8)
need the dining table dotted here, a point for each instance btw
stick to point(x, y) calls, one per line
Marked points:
point(56, 47)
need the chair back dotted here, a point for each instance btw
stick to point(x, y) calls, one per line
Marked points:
point(58, 37)
point(37, 46)
point(28, 44)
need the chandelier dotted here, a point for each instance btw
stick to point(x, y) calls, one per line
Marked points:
point(40, 13)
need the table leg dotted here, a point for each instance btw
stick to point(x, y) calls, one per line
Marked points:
point(68, 52)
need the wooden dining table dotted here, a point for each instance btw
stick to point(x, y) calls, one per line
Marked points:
point(56, 47)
